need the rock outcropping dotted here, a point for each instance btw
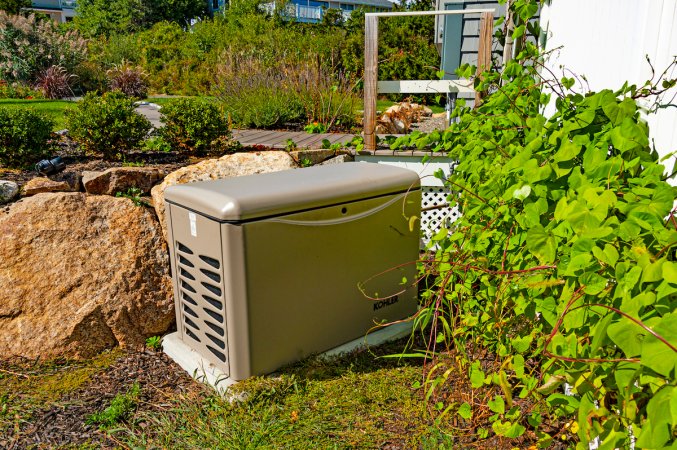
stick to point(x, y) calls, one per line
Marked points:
point(235, 165)
point(41, 185)
point(80, 274)
point(120, 179)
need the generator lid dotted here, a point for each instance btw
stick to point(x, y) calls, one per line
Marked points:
point(268, 194)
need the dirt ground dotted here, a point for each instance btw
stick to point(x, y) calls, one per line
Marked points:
point(64, 422)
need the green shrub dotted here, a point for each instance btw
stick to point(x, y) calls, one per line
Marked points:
point(107, 125)
point(264, 107)
point(18, 91)
point(24, 137)
point(193, 125)
point(298, 93)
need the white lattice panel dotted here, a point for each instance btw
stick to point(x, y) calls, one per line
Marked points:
point(434, 192)
point(432, 220)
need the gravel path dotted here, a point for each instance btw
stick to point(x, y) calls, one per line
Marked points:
point(430, 124)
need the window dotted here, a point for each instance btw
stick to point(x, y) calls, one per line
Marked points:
point(451, 40)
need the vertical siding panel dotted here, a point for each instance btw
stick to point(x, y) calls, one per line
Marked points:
point(607, 40)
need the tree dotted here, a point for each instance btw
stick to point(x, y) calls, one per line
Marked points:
point(106, 17)
point(14, 6)
point(179, 11)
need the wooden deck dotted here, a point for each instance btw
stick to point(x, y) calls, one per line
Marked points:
point(278, 139)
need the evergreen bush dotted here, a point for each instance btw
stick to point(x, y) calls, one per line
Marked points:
point(24, 137)
point(193, 126)
point(107, 125)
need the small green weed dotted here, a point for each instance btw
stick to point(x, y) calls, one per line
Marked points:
point(154, 342)
point(134, 194)
point(156, 144)
point(305, 162)
point(290, 145)
point(315, 128)
point(133, 164)
point(121, 408)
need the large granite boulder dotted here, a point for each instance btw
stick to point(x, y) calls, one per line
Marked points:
point(120, 179)
point(235, 165)
point(80, 274)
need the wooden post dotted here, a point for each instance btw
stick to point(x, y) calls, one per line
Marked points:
point(508, 28)
point(484, 49)
point(370, 80)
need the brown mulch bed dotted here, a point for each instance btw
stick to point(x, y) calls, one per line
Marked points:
point(77, 163)
point(64, 423)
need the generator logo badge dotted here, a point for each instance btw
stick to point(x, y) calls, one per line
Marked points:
point(387, 302)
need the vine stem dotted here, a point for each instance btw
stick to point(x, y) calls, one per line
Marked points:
point(505, 250)
point(568, 308)
point(637, 321)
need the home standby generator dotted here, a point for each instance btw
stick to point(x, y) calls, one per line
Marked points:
point(271, 268)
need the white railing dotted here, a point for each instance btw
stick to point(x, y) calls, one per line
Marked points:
point(309, 12)
point(301, 12)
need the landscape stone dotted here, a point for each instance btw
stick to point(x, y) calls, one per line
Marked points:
point(70, 177)
point(41, 185)
point(340, 159)
point(121, 179)
point(313, 156)
point(80, 274)
point(8, 191)
point(228, 166)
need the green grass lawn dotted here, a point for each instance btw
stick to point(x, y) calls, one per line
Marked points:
point(54, 109)
point(353, 401)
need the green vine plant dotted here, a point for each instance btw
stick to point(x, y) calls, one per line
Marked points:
point(562, 265)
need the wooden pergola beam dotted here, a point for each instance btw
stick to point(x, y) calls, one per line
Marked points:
point(370, 79)
point(371, 58)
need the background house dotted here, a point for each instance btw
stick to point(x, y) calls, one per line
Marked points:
point(312, 11)
point(59, 10)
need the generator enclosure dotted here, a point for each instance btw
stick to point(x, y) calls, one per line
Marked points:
point(271, 268)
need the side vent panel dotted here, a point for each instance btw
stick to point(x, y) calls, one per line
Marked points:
point(202, 305)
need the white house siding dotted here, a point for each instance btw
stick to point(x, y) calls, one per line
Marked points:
point(607, 41)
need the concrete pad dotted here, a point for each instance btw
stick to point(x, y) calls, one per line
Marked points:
point(205, 372)
point(197, 367)
point(386, 334)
